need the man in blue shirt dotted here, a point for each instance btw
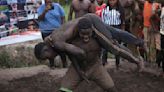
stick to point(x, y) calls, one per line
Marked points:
point(51, 16)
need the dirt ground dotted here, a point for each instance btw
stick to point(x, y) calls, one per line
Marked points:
point(43, 79)
point(128, 80)
point(47, 80)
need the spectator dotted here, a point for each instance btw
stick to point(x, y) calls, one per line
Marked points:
point(151, 28)
point(93, 6)
point(51, 16)
point(113, 15)
point(3, 18)
point(80, 8)
point(100, 6)
point(160, 56)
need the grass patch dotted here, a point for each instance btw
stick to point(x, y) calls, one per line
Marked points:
point(7, 62)
point(17, 57)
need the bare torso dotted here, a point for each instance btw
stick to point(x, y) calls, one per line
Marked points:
point(81, 7)
point(92, 50)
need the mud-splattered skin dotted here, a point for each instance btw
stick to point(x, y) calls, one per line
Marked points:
point(80, 8)
point(91, 49)
point(62, 37)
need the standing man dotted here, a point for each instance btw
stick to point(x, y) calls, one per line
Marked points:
point(81, 44)
point(80, 8)
point(133, 20)
point(151, 29)
point(51, 16)
point(160, 54)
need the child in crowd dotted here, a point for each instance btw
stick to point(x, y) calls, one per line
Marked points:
point(113, 15)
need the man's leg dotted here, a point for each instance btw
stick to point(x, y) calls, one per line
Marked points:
point(159, 58)
point(113, 33)
point(113, 47)
point(152, 48)
point(162, 51)
point(117, 61)
point(125, 37)
point(101, 77)
point(163, 65)
point(146, 40)
point(104, 57)
point(71, 80)
point(105, 39)
point(64, 59)
point(51, 62)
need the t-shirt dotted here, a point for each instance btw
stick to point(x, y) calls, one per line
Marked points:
point(162, 21)
point(147, 13)
point(99, 9)
point(112, 17)
point(52, 18)
point(149, 9)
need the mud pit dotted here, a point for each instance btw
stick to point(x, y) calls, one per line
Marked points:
point(134, 82)
point(43, 79)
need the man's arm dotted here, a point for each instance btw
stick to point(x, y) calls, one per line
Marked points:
point(62, 19)
point(42, 16)
point(71, 49)
point(114, 48)
point(105, 39)
point(113, 33)
point(77, 67)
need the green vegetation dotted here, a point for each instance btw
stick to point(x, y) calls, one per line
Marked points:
point(7, 62)
point(66, 9)
point(3, 8)
point(15, 57)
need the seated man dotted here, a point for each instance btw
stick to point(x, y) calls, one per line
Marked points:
point(83, 54)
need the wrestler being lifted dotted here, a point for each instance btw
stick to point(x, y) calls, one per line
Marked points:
point(82, 41)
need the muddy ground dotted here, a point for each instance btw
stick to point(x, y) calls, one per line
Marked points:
point(128, 80)
point(43, 79)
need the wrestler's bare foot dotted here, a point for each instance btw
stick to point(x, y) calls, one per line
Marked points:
point(140, 64)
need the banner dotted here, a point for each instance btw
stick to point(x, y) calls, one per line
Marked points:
point(11, 1)
point(21, 1)
point(26, 36)
point(3, 2)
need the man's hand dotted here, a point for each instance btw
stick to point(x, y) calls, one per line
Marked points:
point(48, 40)
point(84, 76)
point(48, 7)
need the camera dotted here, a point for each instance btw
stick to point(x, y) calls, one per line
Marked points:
point(52, 7)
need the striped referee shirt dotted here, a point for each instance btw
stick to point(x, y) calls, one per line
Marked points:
point(111, 17)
